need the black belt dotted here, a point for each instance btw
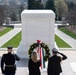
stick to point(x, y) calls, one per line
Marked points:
point(10, 65)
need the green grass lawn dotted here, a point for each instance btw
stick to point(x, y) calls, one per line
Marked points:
point(14, 41)
point(5, 31)
point(68, 32)
point(60, 43)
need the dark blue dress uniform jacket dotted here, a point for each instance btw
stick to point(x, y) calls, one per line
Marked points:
point(54, 65)
point(9, 61)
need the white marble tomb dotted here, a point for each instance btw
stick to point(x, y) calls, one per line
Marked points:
point(36, 25)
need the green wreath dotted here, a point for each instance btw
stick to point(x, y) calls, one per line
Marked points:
point(43, 45)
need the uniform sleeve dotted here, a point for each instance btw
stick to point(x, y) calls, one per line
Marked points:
point(63, 57)
point(2, 64)
point(17, 57)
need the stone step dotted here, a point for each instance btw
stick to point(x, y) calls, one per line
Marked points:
point(22, 68)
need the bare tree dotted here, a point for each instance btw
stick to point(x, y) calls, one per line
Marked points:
point(2, 14)
point(71, 18)
point(62, 8)
point(71, 15)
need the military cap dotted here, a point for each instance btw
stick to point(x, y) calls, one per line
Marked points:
point(9, 47)
point(54, 50)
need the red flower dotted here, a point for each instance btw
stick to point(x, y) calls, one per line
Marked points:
point(38, 41)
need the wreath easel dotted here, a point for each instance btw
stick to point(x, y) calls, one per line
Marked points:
point(43, 45)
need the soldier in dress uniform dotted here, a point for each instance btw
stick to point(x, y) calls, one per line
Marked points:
point(8, 66)
point(54, 63)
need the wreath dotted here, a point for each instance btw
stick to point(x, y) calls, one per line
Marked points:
point(43, 45)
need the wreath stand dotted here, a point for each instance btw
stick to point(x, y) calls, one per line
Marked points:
point(42, 45)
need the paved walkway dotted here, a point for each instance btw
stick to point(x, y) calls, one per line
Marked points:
point(9, 35)
point(66, 38)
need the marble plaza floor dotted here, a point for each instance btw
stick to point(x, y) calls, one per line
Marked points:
point(68, 66)
point(71, 59)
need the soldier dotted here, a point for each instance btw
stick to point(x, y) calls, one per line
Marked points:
point(8, 66)
point(54, 65)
